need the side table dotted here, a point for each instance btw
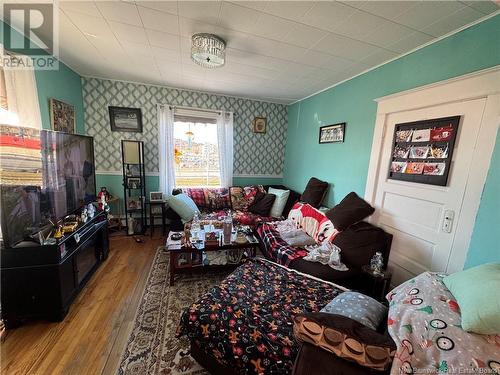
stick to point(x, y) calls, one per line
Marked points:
point(376, 285)
point(154, 213)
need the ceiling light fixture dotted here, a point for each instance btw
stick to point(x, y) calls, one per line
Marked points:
point(208, 50)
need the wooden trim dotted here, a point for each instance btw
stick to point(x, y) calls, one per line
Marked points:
point(481, 84)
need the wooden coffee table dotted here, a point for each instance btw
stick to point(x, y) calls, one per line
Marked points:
point(185, 257)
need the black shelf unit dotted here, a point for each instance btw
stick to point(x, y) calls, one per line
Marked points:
point(134, 185)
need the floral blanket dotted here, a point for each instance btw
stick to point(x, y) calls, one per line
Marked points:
point(246, 322)
point(424, 321)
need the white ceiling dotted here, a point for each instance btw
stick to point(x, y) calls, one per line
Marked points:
point(279, 51)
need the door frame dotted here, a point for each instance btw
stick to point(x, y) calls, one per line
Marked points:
point(481, 84)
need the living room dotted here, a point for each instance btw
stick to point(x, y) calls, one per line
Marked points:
point(222, 187)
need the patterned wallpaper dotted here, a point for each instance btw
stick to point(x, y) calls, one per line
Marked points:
point(254, 154)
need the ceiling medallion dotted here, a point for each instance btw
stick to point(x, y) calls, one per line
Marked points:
point(208, 50)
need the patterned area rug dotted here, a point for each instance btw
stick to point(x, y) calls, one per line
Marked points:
point(152, 347)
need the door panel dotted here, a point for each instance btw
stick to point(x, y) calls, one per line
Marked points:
point(414, 212)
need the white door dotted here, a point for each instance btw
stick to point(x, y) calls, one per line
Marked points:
point(414, 213)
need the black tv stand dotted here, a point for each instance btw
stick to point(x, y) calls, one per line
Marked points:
point(41, 281)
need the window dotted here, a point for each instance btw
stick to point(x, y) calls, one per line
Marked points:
point(196, 152)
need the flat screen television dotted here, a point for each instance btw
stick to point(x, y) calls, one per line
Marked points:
point(44, 175)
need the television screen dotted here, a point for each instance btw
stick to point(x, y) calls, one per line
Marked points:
point(43, 175)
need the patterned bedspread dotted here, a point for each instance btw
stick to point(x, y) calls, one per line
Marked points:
point(424, 321)
point(246, 322)
point(275, 247)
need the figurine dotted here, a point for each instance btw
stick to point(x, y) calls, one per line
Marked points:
point(84, 216)
point(90, 210)
point(59, 232)
point(377, 263)
point(103, 198)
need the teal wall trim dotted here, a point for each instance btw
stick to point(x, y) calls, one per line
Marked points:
point(114, 183)
point(485, 242)
point(345, 165)
point(62, 84)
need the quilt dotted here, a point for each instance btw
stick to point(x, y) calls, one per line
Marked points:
point(424, 321)
point(246, 322)
point(275, 247)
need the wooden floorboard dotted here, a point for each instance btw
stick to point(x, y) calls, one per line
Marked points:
point(93, 335)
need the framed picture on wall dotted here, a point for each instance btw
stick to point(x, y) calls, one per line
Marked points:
point(125, 119)
point(332, 133)
point(259, 125)
point(62, 116)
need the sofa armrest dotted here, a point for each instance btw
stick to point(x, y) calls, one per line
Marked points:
point(346, 338)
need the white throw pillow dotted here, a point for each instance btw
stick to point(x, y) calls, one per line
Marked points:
point(184, 206)
point(279, 202)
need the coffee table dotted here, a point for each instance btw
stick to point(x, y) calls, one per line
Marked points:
point(184, 257)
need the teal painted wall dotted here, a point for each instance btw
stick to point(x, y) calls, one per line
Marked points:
point(485, 242)
point(63, 84)
point(345, 165)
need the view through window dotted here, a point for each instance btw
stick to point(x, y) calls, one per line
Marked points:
point(196, 154)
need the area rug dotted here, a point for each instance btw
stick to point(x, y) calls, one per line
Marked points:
point(152, 347)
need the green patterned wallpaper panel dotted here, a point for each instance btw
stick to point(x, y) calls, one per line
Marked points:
point(254, 154)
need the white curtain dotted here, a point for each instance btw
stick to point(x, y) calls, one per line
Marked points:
point(22, 98)
point(166, 148)
point(225, 143)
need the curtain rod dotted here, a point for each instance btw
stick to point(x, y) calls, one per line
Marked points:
point(197, 109)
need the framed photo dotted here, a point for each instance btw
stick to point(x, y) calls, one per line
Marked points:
point(133, 183)
point(62, 116)
point(125, 119)
point(134, 203)
point(260, 125)
point(155, 196)
point(332, 133)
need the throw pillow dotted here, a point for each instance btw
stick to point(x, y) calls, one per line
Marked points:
point(262, 204)
point(279, 202)
point(184, 206)
point(358, 307)
point(476, 291)
point(315, 192)
point(242, 198)
point(349, 211)
point(346, 338)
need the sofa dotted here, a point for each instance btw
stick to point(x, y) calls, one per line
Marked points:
point(358, 243)
point(215, 203)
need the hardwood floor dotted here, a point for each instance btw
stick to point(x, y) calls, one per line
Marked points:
point(91, 338)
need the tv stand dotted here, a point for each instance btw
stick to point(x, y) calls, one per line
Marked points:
point(41, 281)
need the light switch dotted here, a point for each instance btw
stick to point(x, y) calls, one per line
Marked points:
point(449, 215)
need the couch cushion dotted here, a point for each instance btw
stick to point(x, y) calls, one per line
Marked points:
point(315, 192)
point(350, 210)
point(184, 206)
point(262, 204)
point(217, 198)
point(474, 290)
point(358, 307)
point(279, 202)
point(345, 338)
point(243, 197)
point(359, 243)
point(196, 194)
